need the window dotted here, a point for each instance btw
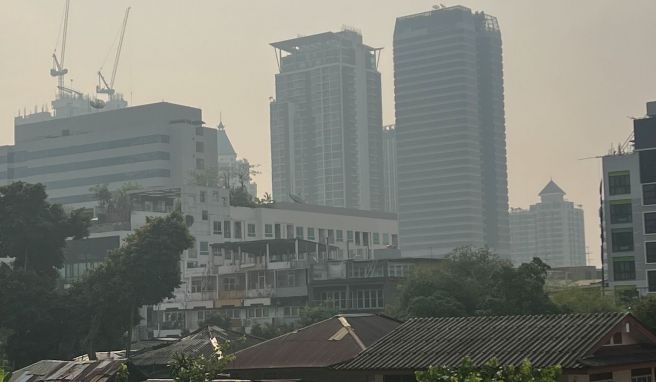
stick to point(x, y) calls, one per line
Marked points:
point(310, 233)
point(250, 230)
point(601, 377)
point(299, 232)
point(331, 236)
point(357, 237)
point(199, 130)
point(650, 251)
point(216, 251)
point(200, 164)
point(386, 239)
point(203, 249)
point(238, 234)
point(365, 239)
point(399, 270)
point(349, 236)
point(322, 235)
point(367, 299)
point(649, 194)
point(376, 238)
point(200, 147)
point(647, 160)
point(619, 183)
point(192, 251)
point(290, 231)
point(258, 312)
point(622, 240)
point(651, 281)
point(641, 375)
point(217, 228)
point(277, 230)
point(202, 196)
point(624, 268)
point(229, 283)
point(234, 314)
point(620, 211)
point(291, 311)
point(339, 235)
point(205, 215)
point(650, 222)
point(226, 229)
point(268, 230)
point(196, 285)
point(395, 240)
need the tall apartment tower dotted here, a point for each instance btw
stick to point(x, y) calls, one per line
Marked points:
point(390, 182)
point(552, 230)
point(450, 127)
point(326, 122)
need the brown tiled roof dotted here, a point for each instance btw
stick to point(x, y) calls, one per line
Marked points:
point(546, 340)
point(322, 344)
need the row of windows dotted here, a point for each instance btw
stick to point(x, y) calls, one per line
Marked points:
point(622, 238)
point(619, 183)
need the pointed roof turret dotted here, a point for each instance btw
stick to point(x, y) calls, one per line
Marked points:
point(224, 146)
point(551, 188)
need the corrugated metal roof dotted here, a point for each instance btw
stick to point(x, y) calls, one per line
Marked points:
point(316, 345)
point(195, 344)
point(69, 371)
point(545, 340)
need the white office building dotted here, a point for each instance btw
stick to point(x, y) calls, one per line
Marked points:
point(552, 230)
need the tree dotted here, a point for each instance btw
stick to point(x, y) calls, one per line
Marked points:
point(143, 271)
point(583, 300)
point(33, 231)
point(186, 368)
point(491, 371)
point(114, 205)
point(645, 311)
point(475, 282)
point(311, 314)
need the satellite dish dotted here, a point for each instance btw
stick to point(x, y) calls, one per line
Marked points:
point(296, 198)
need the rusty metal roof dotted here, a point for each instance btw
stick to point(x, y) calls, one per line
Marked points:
point(68, 371)
point(322, 344)
point(564, 339)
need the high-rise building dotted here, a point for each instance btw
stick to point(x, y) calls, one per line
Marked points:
point(552, 230)
point(326, 122)
point(389, 168)
point(629, 211)
point(450, 128)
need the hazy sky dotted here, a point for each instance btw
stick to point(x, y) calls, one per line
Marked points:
point(574, 70)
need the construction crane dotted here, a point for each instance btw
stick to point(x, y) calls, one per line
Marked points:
point(58, 70)
point(108, 88)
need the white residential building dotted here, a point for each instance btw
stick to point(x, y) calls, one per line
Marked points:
point(552, 230)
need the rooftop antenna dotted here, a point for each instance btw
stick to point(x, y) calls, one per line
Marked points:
point(103, 86)
point(58, 70)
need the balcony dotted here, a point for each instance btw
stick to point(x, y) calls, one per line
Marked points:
point(227, 269)
point(232, 294)
point(291, 291)
point(259, 293)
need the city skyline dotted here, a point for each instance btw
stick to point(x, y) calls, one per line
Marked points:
point(584, 96)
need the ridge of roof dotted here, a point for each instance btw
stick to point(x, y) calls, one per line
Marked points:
point(551, 188)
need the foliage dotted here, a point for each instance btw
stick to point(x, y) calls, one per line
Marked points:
point(268, 331)
point(185, 368)
point(4, 376)
point(475, 282)
point(311, 314)
point(122, 375)
point(114, 205)
point(583, 300)
point(33, 231)
point(144, 271)
point(491, 371)
point(645, 311)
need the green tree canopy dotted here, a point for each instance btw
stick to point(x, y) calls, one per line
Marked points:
point(475, 282)
point(645, 311)
point(583, 300)
point(33, 231)
point(492, 371)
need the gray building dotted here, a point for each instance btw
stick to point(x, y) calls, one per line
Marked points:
point(326, 122)
point(629, 211)
point(156, 145)
point(552, 230)
point(390, 184)
point(450, 128)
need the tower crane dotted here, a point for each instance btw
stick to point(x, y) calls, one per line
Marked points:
point(108, 88)
point(58, 70)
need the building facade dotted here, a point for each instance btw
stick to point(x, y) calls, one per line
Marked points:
point(326, 120)
point(450, 130)
point(156, 145)
point(251, 265)
point(629, 211)
point(552, 230)
point(390, 180)
point(233, 172)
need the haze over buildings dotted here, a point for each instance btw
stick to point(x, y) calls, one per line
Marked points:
point(450, 129)
point(552, 230)
point(326, 121)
